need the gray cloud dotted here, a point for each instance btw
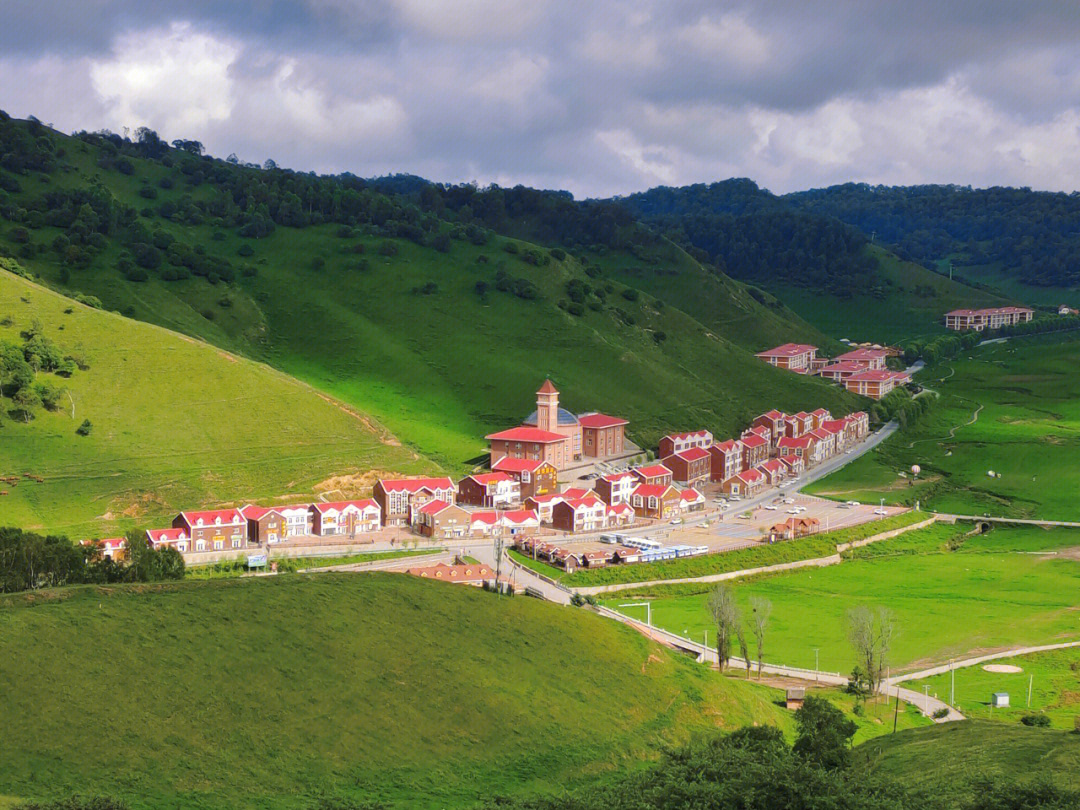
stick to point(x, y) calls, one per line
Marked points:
point(600, 98)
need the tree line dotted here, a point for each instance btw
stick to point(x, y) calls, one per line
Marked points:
point(30, 561)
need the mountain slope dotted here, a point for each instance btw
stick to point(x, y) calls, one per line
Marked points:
point(409, 310)
point(176, 424)
point(373, 686)
point(824, 269)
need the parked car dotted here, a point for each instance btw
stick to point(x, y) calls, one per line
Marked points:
point(676, 521)
point(789, 500)
point(880, 511)
point(793, 511)
point(853, 503)
point(770, 507)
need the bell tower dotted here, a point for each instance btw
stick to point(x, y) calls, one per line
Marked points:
point(547, 407)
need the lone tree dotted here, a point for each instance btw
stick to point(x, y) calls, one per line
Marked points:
point(871, 634)
point(761, 610)
point(725, 614)
point(824, 733)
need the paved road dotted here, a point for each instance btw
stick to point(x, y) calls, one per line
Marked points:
point(1068, 524)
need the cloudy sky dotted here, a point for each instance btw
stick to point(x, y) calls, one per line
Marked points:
point(596, 97)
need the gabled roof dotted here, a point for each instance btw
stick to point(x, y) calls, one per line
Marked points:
point(416, 484)
point(773, 414)
point(510, 465)
point(801, 442)
point(518, 516)
point(600, 420)
point(489, 478)
point(750, 476)
point(692, 454)
point(651, 471)
point(862, 355)
point(772, 465)
point(453, 573)
point(570, 493)
point(620, 509)
point(790, 461)
point(165, 535)
point(820, 412)
point(653, 490)
point(691, 495)
point(489, 518)
point(819, 433)
point(555, 497)
point(844, 367)
point(583, 503)
point(337, 506)
point(877, 375)
point(434, 507)
point(611, 478)
point(788, 350)
point(728, 446)
point(252, 512)
point(688, 435)
point(527, 434)
point(209, 516)
point(753, 440)
point(834, 425)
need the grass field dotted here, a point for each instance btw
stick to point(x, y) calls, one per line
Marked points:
point(380, 686)
point(443, 369)
point(990, 593)
point(176, 424)
point(238, 568)
point(1027, 395)
point(905, 311)
point(944, 758)
point(1054, 677)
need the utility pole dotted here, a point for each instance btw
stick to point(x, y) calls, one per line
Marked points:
point(872, 235)
point(896, 710)
point(498, 559)
point(816, 668)
point(952, 684)
point(926, 699)
point(1031, 682)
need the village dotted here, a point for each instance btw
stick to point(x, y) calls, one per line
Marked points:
point(555, 478)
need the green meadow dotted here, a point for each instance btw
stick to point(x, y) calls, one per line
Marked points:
point(267, 693)
point(912, 303)
point(176, 424)
point(1012, 408)
point(1053, 677)
point(951, 595)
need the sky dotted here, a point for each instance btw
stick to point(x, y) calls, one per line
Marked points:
point(596, 97)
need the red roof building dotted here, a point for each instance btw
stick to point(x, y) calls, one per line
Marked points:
point(677, 442)
point(792, 356)
point(653, 474)
point(690, 467)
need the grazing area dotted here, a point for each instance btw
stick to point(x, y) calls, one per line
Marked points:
point(944, 759)
point(1054, 678)
point(1010, 408)
point(950, 594)
point(269, 692)
point(175, 423)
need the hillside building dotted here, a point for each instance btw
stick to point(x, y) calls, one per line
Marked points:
point(796, 357)
point(961, 320)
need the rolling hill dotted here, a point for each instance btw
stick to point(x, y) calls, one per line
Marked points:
point(266, 693)
point(176, 423)
point(420, 312)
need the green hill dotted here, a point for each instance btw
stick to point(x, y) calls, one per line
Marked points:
point(944, 758)
point(264, 693)
point(374, 298)
point(176, 423)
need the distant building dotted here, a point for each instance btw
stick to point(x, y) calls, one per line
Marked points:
point(214, 529)
point(534, 477)
point(875, 384)
point(653, 474)
point(616, 488)
point(727, 459)
point(494, 490)
point(160, 538)
point(746, 483)
point(399, 498)
point(442, 519)
point(962, 320)
point(795, 357)
point(689, 467)
point(656, 501)
point(867, 358)
point(345, 518)
point(755, 451)
point(469, 574)
point(276, 524)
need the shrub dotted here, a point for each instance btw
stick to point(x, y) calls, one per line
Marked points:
point(510, 247)
point(659, 337)
point(941, 713)
point(84, 429)
point(388, 248)
point(630, 294)
point(1036, 720)
point(245, 250)
point(558, 254)
point(576, 309)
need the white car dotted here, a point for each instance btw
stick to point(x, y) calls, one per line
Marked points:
point(734, 498)
point(853, 503)
point(793, 511)
point(880, 511)
point(770, 507)
point(789, 500)
point(676, 521)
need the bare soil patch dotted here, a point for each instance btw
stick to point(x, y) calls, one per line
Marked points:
point(1007, 668)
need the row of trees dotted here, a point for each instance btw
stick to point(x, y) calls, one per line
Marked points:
point(30, 561)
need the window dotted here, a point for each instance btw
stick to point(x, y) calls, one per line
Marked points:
point(236, 542)
point(219, 545)
point(200, 545)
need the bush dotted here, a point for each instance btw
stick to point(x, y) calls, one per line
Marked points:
point(245, 250)
point(85, 428)
point(576, 309)
point(510, 247)
point(1036, 720)
point(630, 294)
point(388, 248)
point(941, 713)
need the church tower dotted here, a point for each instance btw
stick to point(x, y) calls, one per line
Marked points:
point(547, 407)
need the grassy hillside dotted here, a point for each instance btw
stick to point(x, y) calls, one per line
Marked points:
point(176, 424)
point(910, 302)
point(1010, 408)
point(945, 757)
point(380, 686)
point(407, 337)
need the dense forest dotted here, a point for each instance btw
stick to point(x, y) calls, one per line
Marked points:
point(758, 237)
point(1031, 234)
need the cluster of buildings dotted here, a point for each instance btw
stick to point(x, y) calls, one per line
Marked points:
point(961, 320)
point(862, 370)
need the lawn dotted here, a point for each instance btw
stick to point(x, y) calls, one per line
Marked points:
point(1054, 677)
point(806, 548)
point(177, 424)
point(238, 568)
point(266, 692)
point(1026, 393)
point(988, 593)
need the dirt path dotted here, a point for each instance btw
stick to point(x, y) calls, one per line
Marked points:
point(952, 431)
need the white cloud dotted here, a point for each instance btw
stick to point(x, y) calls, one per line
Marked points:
point(176, 79)
point(729, 39)
point(470, 19)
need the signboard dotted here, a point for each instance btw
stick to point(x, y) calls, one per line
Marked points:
point(256, 561)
